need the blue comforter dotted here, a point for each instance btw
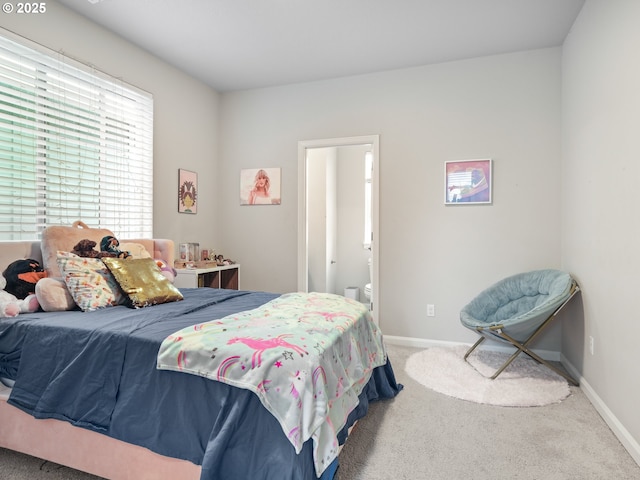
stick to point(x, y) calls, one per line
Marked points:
point(97, 370)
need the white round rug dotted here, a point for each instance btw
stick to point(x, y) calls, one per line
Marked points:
point(524, 383)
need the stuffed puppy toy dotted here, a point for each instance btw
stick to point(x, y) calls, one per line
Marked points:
point(10, 306)
point(84, 248)
point(21, 277)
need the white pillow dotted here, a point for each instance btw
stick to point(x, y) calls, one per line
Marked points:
point(136, 250)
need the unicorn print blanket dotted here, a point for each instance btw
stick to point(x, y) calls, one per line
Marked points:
point(306, 355)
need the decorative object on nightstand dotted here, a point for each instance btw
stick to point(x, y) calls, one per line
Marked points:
point(189, 252)
point(185, 261)
point(220, 260)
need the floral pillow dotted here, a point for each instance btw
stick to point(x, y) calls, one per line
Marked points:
point(89, 281)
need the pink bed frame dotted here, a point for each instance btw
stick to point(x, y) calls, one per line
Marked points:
point(81, 449)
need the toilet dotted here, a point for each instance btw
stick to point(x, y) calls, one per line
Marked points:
point(367, 287)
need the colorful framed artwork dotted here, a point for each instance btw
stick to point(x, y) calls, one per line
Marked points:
point(260, 186)
point(187, 191)
point(468, 182)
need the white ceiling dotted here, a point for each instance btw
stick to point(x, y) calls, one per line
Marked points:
point(242, 44)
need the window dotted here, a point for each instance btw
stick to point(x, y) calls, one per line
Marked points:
point(75, 144)
point(368, 175)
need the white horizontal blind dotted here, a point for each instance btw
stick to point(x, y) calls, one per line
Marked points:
point(74, 145)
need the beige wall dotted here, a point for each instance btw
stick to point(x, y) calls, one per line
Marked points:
point(504, 107)
point(600, 222)
point(185, 113)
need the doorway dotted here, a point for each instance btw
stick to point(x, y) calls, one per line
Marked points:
point(320, 163)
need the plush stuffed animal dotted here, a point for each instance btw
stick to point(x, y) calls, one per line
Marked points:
point(10, 306)
point(166, 270)
point(110, 244)
point(21, 277)
point(84, 248)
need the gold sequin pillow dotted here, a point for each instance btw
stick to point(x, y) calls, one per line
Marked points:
point(141, 280)
point(89, 282)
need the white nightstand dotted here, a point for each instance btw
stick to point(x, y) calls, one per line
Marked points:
point(225, 276)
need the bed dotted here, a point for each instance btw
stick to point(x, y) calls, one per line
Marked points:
point(87, 391)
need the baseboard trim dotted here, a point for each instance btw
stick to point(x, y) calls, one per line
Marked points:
point(618, 429)
point(487, 345)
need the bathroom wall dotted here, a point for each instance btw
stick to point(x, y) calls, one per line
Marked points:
point(353, 269)
point(336, 172)
point(321, 166)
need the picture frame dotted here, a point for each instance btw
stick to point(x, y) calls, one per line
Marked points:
point(468, 182)
point(260, 186)
point(187, 191)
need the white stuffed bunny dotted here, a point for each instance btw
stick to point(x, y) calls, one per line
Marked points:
point(10, 306)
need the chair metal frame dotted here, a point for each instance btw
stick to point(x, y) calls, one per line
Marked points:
point(523, 347)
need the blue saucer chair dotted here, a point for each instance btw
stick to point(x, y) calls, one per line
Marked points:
point(517, 309)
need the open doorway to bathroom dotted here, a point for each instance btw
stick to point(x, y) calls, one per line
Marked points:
point(338, 203)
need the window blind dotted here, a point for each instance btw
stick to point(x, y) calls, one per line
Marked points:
point(75, 144)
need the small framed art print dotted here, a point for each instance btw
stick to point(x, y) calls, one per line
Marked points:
point(187, 191)
point(467, 181)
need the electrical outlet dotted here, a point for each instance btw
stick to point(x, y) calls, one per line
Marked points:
point(431, 310)
point(591, 345)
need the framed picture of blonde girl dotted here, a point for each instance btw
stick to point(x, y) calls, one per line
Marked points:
point(468, 181)
point(260, 186)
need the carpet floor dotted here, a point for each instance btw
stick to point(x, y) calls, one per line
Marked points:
point(422, 434)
